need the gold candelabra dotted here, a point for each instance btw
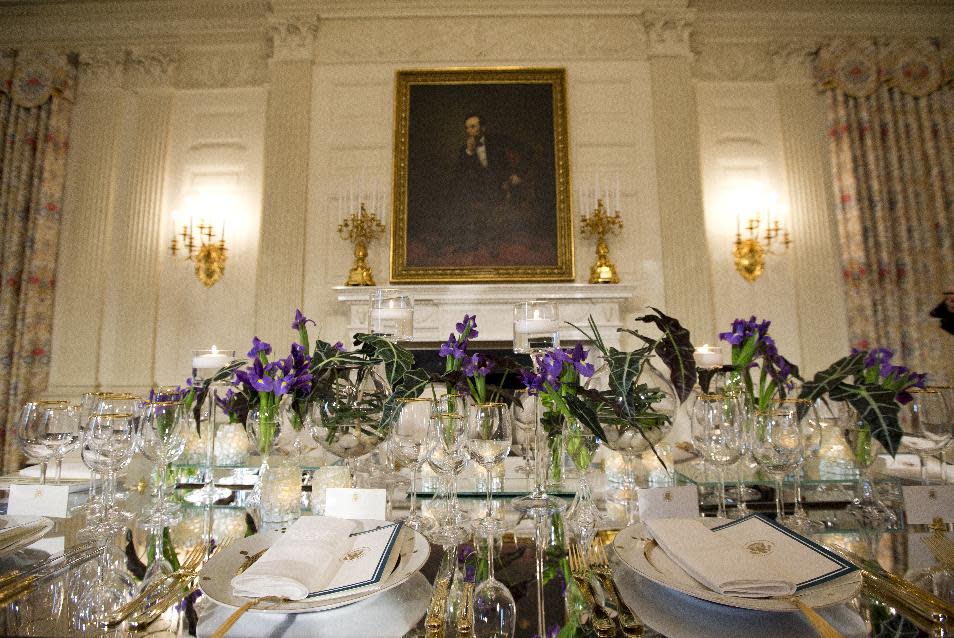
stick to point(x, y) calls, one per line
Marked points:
point(600, 225)
point(360, 229)
point(208, 255)
point(750, 252)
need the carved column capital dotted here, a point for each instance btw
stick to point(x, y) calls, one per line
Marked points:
point(792, 60)
point(667, 32)
point(149, 67)
point(293, 37)
point(101, 69)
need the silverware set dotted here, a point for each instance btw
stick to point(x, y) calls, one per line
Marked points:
point(18, 583)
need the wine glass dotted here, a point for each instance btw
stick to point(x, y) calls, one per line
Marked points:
point(777, 448)
point(162, 440)
point(495, 611)
point(927, 425)
point(47, 430)
point(111, 439)
point(717, 431)
point(489, 436)
point(524, 426)
point(446, 450)
point(408, 442)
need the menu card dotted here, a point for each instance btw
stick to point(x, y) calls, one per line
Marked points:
point(370, 559)
point(806, 563)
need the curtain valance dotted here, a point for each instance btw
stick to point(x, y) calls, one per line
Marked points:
point(31, 77)
point(859, 67)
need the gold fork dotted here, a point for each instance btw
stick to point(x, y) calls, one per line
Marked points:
point(940, 545)
point(189, 566)
point(631, 625)
point(600, 618)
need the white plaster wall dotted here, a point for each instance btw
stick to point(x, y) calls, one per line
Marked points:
point(741, 143)
point(216, 143)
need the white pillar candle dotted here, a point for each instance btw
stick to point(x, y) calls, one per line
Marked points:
point(535, 326)
point(213, 359)
point(390, 313)
point(707, 357)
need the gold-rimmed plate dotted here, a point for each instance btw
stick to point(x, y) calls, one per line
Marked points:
point(638, 551)
point(215, 579)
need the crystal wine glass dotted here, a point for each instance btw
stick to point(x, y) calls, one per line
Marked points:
point(46, 430)
point(111, 438)
point(446, 448)
point(717, 430)
point(162, 440)
point(495, 611)
point(810, 425)
point(489, 436)
point(408, 440)
point(927, 425)
point(777, 448)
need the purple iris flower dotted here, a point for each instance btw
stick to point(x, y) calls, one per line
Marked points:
point(258, 378)
point(468, 321)
point(477, 365)
point(577, 358)
point(259, 346)
point(339, 346)
point(532, 380)
point(301, 321)
point(451, 348)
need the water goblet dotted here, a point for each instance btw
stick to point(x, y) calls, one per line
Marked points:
point(47, 430)
point(810, 425)
point(408, 439)
point(717, 431)
point(446, 450)
point(489, 436)
point(111, 438)
point(162, 440)
point(777, 448)
point(927, 425)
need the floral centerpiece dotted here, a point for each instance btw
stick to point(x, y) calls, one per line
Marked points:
point(753, 348)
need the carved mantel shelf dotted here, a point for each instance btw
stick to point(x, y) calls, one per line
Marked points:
point(437, 308)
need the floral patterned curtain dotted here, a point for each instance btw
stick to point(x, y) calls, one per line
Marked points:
point(891, 128)
point(36, 98)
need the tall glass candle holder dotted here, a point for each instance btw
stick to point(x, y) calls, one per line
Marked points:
point(391, 314)
point(205, 363)
point(536, 327)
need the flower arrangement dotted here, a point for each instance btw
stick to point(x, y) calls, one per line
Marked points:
point(752, 348)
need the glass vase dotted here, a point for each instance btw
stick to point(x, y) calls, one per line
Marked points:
point(871, 514)
point(263, 427)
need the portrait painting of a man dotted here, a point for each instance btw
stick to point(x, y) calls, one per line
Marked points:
point(480, 177)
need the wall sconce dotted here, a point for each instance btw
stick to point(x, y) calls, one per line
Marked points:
point(750, 251)
point(201, 248)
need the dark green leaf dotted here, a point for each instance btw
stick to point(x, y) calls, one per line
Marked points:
point(877, 408)
point(586, 415)
point(830, 378)
point(411, 386)
point(624, 370)
point(397, 360)
point(676, 351)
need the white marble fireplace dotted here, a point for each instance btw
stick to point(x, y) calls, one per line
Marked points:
point(438, 307)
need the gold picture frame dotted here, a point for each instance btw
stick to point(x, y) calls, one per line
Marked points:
point(481, 177)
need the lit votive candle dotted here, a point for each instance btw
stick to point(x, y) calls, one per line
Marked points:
point(391, 315)
point(207, 362)
point(707, 357)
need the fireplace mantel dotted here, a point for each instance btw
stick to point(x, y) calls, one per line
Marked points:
point(438, 307)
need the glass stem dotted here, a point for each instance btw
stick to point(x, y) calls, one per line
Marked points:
point(721, 509)
point(59, 469)
point(799, 511)
point(924, 470)
point(490, 556)
point(454, 507)
point(740, 499)
point(490, 489)
point(414, 490)
point(779, 501)
point(163, 468)
point(43, 465)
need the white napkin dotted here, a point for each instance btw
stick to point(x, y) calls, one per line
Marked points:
point(718, 563)
point(71, 470)
point(302, 561)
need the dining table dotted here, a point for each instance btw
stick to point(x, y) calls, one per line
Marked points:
point(532, 559)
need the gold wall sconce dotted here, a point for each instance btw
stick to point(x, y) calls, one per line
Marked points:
point(201, 247)
point(751, 250)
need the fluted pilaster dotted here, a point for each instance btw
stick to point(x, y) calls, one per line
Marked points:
point(94, 166)
point(687, 280)
point(279, 281)
point(822, 322)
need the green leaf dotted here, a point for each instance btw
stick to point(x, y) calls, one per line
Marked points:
point(827, 380)
point(411, 386)
point(397, 360)
point(877, 408)
point(676, 351)
point(624, 370)
point(586, 415)
point(326, 355)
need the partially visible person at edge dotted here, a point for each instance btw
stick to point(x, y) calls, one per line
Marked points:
point(945, 311)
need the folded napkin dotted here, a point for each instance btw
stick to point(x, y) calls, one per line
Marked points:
point(302, 561)
point(71, 470)
point(718, 563)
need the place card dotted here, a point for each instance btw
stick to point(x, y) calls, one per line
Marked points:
point(668, 502)
point(924, 503)
point(39, 500)
point(346, 502)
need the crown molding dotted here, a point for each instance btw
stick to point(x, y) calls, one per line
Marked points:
point(350, 9)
